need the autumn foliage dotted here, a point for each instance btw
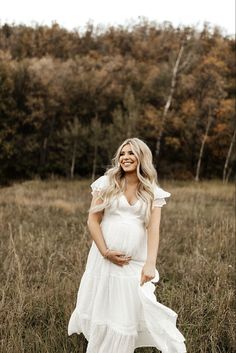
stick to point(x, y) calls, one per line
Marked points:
point(67, 99)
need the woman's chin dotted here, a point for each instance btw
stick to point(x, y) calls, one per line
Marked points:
point(129, 170)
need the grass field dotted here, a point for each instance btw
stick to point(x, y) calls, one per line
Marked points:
point(43, 247)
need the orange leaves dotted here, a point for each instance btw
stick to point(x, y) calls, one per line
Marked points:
point(221, 127)
point(226, 108)
point(173, 142)
point(189, 108)
point(213, 63)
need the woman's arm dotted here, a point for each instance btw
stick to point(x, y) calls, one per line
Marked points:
point(93, 222)
point(148, 271)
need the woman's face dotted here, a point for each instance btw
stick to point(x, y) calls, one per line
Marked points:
point(127, 159)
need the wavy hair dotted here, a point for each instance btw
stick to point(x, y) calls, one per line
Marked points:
point(146, 174)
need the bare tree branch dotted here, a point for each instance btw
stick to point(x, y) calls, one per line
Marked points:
point(209, 122)
point(228, 157)
point(169, 100)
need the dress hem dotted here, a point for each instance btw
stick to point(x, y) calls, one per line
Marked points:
point(89, 328)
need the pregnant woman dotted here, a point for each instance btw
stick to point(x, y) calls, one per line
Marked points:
point(116, 309)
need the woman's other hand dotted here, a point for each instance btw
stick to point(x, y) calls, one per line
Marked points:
point(148, 273)
point(118, 258)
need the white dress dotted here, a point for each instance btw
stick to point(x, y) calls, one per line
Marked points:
point(115, 313)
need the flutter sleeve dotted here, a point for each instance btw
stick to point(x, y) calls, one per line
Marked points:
point(160, 196)
point(99, 184)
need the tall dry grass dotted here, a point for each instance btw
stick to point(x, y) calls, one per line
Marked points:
point(43, 247)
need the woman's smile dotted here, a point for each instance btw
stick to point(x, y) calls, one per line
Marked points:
point(127, 164)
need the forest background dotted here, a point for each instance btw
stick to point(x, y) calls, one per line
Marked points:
point(67, 99)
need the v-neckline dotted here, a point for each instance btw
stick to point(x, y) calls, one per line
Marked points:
point(131, 205)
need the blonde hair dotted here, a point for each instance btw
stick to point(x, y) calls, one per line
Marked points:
point(146, 174)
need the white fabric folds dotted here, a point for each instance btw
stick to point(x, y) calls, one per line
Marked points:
point(118, 315)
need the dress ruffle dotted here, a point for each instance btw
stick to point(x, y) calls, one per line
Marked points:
point(155, 325)
point(159, 193)
point(99, 184)
point(102, 338)
point(161, 322)
point(159, 196)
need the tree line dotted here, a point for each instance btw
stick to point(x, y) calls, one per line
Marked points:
point(67, 99)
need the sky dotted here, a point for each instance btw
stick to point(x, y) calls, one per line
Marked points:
point(76, 13)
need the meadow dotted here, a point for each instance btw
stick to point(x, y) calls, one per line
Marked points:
point(44, 243)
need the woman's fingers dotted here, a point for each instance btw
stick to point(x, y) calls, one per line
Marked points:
point(124, 260)
point(118, 258)
point(118, 253)
point(145, 278)
point(121, 255)
point(121, 260)
point(148, 273)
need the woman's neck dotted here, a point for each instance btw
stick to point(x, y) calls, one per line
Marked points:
point(131, 178)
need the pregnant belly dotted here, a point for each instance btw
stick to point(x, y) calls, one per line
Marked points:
point(128, 238)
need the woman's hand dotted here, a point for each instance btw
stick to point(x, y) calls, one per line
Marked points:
point(118, 258)
point(148, 273)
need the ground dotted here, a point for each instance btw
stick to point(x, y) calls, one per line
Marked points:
point(44, 243)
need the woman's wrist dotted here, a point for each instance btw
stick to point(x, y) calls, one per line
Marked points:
point(151, 262)
point(106, 253)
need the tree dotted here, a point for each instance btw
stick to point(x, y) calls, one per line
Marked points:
point(131, 117)
point(226, 172)
point(204, 139)
point(211, 91)
point(68, 99)
point(168, 101)
point(97, 135)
